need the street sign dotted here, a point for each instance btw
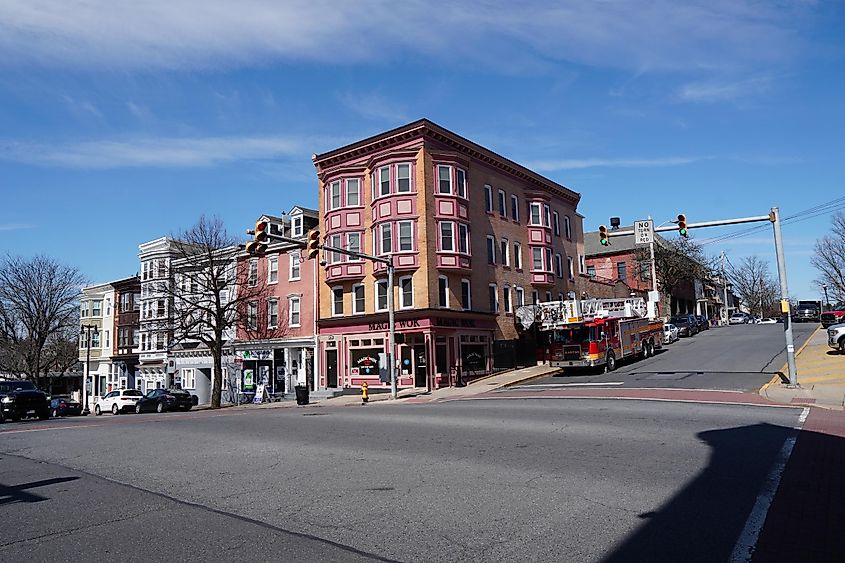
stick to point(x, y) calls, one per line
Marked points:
point(644, 232)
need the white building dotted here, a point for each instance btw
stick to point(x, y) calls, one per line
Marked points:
point(96, 318)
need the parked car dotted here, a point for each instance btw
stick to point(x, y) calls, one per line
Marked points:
point(768, 321)
point(703, 323)
point(117, 402)
point(738, 319)
point(670, 333)
point(161, 400)
point(64, 406)
point(834, 316)
point(836, 337)
point(687, 325)
point(19, 399)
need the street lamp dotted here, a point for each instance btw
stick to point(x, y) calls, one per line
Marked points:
point(826, 302)
point(85, 330)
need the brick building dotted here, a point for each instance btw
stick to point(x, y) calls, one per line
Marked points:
point(472, 236)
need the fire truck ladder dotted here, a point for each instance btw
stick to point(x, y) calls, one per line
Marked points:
point(613, 308)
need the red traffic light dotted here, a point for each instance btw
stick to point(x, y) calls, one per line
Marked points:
point(313, 244)
point(261, 231)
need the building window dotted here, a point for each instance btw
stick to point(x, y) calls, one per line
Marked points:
point(494, 298)
point(488, 199)
point(297, 225)
point(272, 269)
point(386, 238)
point(384, 180)
point(520, 296)
point(581, 266)
point(491, 249)
point(506, 299)
point(252, 315)
point(337, 301)
point(567, 227)
point(353, 244)
point(463, 238)
point(335, 242)
point(106, 340)
point(556, 223)
point(621, 271)
point(252, 277)
point(443, 291)
point(358, 302)
point(536, 213)
point(406, 236)
point(83, 309)
point(505, 247)
point(444, 175)
point(466, 295)
point(272, 313)
point(546, 216)
point(591, 271)
point(558, 265)
point(334, 195)
point(446, 241)
point(503, 211)
point(381, 295)
point(294, 266)
point(548, 260)
point(570, 268)
point(517, 256)
point(548, 297)
point(96, 308)
point(537, 255)
point(535, 296)
point(645, 270)
point(189, 380)
point(461, 180)
point(293, 311)
point(514, 208)
point(406, 293)
point(353, 192)
point(403, 178)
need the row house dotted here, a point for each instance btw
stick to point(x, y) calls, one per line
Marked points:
point(112, 309)
point(275, 346)
point(472, 235)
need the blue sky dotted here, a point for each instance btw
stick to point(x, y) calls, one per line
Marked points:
point(120, 123)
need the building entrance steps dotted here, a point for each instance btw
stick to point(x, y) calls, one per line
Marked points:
point(821, 376)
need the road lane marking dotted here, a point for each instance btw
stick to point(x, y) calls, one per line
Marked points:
point(744, 548)
point(584, 384)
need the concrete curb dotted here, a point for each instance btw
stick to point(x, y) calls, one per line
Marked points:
point(785, 367)
point(529, 378)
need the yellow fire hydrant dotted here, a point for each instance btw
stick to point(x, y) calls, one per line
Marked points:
point(365, 392)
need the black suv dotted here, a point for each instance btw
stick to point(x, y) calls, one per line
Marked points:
point(687, 324)
point(19, 399)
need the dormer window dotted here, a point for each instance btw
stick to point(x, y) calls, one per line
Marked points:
point(296, 226)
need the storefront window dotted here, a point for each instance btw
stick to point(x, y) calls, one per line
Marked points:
point(365, 361)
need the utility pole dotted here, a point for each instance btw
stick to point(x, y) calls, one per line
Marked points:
point(725, 289)
point(784, 293)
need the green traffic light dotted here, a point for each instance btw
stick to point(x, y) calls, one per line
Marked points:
point(683, 232)
point(604, 242)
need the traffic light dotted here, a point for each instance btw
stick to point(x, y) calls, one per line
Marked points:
point(603, 236)
point(682, 224)
point(258, 244)
point(313, 244)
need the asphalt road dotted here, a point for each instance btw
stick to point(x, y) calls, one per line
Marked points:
point(739, 357)
point(493, 480)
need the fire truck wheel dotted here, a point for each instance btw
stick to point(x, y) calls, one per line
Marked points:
point(611, 362)
point(646, 351)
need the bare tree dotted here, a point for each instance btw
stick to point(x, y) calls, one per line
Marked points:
point(677, 261)
point(753, 281)
point(38, 316)
point(211, 297)
point(829, 260)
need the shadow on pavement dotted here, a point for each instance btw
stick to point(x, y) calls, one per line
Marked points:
point(703, 522)
point(18, 493)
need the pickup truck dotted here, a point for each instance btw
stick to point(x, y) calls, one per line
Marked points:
point(836, 337)
point(20, 398)
point(834, 316)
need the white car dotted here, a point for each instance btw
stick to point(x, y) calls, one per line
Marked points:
point(118, 402)
point(768, 321)
point(670, 333)
point(738, 319)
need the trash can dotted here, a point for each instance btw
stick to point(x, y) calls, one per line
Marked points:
point(301, 394)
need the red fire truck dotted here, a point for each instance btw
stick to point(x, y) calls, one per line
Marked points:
point(592, 333)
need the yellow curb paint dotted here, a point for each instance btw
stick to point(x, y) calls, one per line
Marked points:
point(776, 377)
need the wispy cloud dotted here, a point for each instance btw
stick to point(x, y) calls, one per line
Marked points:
point(630, 34)
point(576, 164)
point(156, 152)
point(724, 90)
point(14, 226)
point(374, 105)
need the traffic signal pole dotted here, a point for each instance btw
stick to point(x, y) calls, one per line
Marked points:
point(774, 218)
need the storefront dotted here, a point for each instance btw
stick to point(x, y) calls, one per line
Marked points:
point(431, 349)
point(278, 365)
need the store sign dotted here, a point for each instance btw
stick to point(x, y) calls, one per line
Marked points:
point(410, 323)
point(254, 354)
point(462, 323)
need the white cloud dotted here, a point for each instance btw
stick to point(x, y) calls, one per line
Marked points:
point(177, 34)
point(14, 226)
point(156, 152)
point(576, 164)
point(374, 106)
point(724, 90)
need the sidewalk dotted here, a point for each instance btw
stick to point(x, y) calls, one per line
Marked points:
point(477, 387)
point(821, 376)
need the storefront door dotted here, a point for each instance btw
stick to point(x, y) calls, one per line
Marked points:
point(420, 365)
point(331, 368)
